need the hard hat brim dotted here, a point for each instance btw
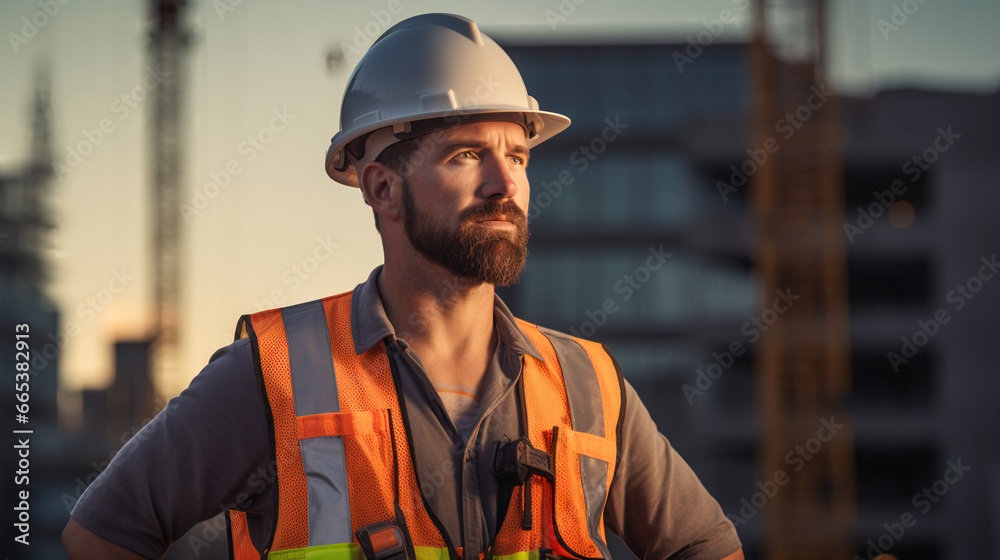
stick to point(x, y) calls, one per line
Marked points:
point(339, 167)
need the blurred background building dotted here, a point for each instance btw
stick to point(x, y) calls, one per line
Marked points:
point(62, 462)
point(25, 220)
point(646, 236)
point(656, 186)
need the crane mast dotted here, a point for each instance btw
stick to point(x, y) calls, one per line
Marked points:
point(802, 368)
point(168, 42)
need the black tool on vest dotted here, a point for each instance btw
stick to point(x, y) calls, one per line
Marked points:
point(519, 460)
point(385, 541)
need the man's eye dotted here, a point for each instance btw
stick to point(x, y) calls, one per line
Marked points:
point(467, 154)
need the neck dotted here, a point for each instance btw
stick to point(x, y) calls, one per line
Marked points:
point(444, 318)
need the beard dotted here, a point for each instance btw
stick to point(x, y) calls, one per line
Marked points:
point(473, 252)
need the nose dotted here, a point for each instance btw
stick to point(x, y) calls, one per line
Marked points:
point(499, 178)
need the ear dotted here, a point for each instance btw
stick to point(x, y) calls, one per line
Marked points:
point(382, 188)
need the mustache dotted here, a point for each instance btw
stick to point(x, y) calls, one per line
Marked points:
point(493, 208)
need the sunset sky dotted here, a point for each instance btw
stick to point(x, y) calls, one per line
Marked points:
point(262, 100)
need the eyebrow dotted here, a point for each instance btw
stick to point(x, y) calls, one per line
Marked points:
point(518, 149)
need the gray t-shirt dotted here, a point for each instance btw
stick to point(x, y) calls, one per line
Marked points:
point(208, 451)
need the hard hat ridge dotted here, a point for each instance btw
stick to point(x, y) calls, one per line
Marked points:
point(423, 74)
point(459, 24)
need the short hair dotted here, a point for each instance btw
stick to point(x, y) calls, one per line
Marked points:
point(397, 157)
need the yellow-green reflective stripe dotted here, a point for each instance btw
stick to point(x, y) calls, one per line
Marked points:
point(531, 555)
point(352, 551)
point(342, 551)
point(429, 553)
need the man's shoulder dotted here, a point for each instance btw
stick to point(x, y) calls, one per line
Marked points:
point(250, 325)
point(235, 350)
point(302, 304)
point(232, 365)
point(557, 336)
point(271, 311)
point(568, 350)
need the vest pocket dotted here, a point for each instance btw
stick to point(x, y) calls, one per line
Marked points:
point(583, 467)
point(367, 465)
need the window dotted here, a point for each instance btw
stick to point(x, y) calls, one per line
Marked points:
point(573, 289)
point(887, 281)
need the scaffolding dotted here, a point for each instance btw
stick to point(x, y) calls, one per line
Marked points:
point(25, 213)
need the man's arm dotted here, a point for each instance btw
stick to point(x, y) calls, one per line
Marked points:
point(656, 503)
point(206, 452)
point(83, 544)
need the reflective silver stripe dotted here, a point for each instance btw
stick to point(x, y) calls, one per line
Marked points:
point(586, 409)
point(585, 406)
point(594, 473)
point(314, 386)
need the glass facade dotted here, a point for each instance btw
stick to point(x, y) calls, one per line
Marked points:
point(627, 191)
point(617, 198)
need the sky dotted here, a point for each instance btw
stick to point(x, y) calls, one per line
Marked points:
point(265, 225)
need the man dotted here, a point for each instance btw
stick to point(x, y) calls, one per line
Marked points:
point(414, 417)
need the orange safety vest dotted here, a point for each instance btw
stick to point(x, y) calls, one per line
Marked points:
point(344, 456)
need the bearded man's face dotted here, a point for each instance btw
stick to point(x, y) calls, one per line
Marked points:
point(470, 250)
point(465, 199)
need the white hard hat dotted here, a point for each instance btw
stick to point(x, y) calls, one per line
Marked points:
point(423, 74)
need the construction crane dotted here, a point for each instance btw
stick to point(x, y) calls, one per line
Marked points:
point(803, 366)
point(168, 42)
